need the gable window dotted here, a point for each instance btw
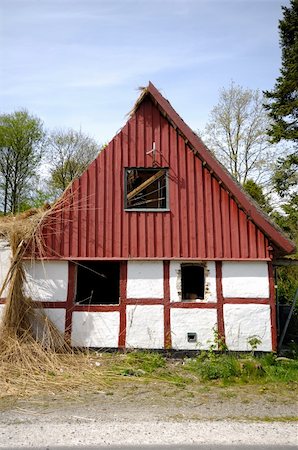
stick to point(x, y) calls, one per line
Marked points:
point(98, 283)
point(192, 282)
point(146, 189)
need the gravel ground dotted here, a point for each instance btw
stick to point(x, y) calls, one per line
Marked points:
point(146, 415)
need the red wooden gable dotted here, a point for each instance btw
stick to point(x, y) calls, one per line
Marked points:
point(209, 216)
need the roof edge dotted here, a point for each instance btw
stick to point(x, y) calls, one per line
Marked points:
point(259, 218)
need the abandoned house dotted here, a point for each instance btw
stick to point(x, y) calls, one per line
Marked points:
point(156, 246)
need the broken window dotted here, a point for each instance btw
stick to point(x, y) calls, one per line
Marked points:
point(146, 188)
point(192, 282)
point(98, 283)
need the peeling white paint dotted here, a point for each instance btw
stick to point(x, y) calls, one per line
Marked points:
point(210, 281)
point(145, 326)
point(95, 329)
point(245, 321)
point(46, 280)
point(145, 279)
point(5, 260)
point(245, 279)
point(190, 320)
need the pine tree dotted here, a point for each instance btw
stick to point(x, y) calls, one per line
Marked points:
point(283, 99)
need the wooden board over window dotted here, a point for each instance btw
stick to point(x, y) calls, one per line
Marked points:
point(146, 188)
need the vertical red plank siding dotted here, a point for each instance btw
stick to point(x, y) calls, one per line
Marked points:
point(218, 250)
point(235, 233)
point(209, 214)
point(225, 223)
point(199, 199)
point(203, 221)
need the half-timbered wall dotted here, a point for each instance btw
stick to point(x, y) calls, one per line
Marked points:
point(162, 320)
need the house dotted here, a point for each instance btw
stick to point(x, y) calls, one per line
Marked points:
point(156, 246)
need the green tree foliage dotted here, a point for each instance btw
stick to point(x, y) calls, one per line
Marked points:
point(283, 99)
point(70, 152)
point(21, 139)
point(237, 133)
point(285, 181)
point(256, 192)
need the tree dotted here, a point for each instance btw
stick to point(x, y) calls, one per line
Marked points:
point(256, 192)
point(21, 146)
point(236, 133)
point(283, 100)
point(285, 182)
point(70, 153)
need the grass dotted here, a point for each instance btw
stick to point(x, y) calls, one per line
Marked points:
point(91, 372)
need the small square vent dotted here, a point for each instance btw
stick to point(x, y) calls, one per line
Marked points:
point(192, 337)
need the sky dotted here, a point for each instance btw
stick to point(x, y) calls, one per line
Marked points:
point(78, 63)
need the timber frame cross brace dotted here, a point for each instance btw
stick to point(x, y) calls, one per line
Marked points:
point(145, 184)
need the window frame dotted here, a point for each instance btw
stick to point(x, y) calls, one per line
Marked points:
point(147, 169)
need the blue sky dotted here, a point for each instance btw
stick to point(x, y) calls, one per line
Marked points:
point(78, 63)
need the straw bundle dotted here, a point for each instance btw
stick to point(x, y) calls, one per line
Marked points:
point(27, 337)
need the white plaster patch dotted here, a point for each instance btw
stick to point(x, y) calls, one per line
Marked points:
point(193, 320)
point(46, 280)
point(244, 321)
point(1, 312)
point(145, 326)
point(245, 279)
point(57, 317)
point(5, 261)
point(95, 329)
point(210, 281)
point(145, 279)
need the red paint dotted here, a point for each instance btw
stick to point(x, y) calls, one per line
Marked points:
point(144, 301)
point(244, 301)
point(193, 305)
point(123, 286)
point(167, 312)
point(272, 307)
point(204, 221)
point(96, 308)
point(220, 316)
point(71, 292)
point(54, 305)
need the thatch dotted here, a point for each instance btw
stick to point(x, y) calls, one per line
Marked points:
point(29, 341)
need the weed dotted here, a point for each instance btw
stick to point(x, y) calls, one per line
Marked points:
point(254, 341)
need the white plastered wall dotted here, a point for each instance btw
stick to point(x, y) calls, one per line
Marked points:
point(56, 316)
point(46, 280)
point(243, 322)
point(245, 279)
point(210, 281)
point(145, 326)
point(95, 329)
point(1, 312)
point(5, 261)
point(145, 279)
point(201, 321)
